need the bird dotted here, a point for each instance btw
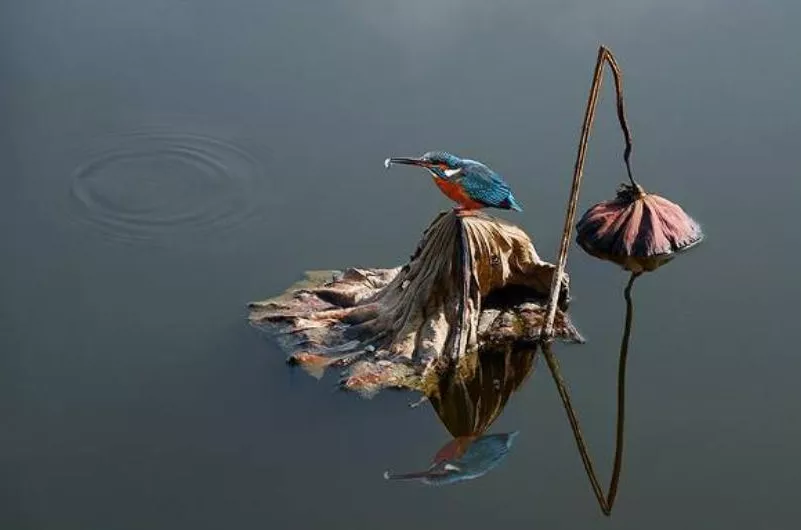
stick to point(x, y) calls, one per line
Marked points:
point(469, 183)
point(463, 458)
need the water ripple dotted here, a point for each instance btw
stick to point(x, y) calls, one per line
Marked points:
point(154, 185)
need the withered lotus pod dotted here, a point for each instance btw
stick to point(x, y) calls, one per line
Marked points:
point(473, 283)
point(638, 230)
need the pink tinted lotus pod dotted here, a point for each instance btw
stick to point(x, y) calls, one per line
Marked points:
point(637, 230)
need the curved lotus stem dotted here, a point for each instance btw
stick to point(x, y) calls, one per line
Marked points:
point(621, 109)
point(604, 56)
point(578, 172)
point(605, 501)
point(586, 459)
point(621, 393)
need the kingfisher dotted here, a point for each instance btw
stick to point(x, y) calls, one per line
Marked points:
point(463, 458)
point(469, 183)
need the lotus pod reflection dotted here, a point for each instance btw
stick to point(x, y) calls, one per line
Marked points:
point(638, 230)
point(463, 458)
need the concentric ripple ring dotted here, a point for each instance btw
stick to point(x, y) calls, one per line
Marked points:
point(157, 185)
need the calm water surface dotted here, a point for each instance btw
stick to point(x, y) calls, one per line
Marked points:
point(164, 162)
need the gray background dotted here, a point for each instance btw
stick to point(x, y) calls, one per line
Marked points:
point(133, 394)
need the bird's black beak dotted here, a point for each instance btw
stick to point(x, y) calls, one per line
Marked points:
point(406, 161)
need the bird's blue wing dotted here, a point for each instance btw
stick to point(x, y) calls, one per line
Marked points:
point(483, 184)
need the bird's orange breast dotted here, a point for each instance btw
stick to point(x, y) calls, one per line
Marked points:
point(455, 192)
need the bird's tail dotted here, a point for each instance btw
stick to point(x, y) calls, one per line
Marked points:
point(513, 204)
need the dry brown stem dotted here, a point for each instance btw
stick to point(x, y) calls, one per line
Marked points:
point(605, 501)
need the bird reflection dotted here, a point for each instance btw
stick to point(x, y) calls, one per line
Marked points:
point(461, 459)
point(468, 399)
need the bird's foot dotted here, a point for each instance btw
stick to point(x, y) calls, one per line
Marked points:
point(463, 211)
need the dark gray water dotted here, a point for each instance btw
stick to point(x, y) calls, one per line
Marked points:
point(164, 162)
